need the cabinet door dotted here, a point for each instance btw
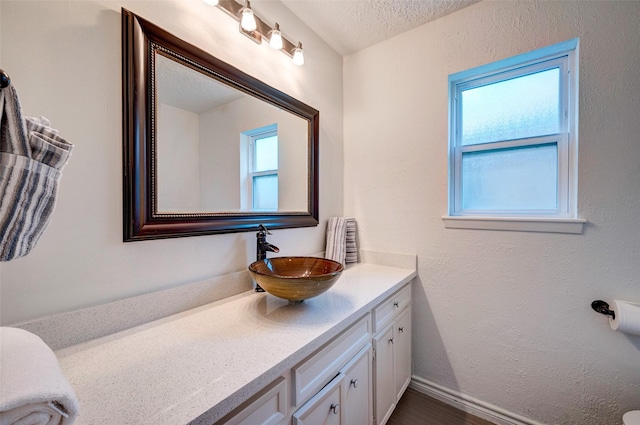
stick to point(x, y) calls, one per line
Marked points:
point(402, 347)
point(324, 408)
point(385, 395)
point(358, 403)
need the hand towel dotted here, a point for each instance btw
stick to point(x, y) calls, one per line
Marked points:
point(341, 240)
point(33, 389)
point(32, 157)
point(351, 244)
point(336, 239)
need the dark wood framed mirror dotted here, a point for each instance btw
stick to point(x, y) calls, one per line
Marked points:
point(201, 139)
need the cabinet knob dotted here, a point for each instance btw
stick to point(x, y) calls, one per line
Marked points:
point(396, 304)
point(391, 340)
point(335, 408)
point(401, 329)
point(354, 383)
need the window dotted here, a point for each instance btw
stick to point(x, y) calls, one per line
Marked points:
point(263, 168)
point(513, 143)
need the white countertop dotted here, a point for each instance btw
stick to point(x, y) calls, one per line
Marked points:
point(199, 365)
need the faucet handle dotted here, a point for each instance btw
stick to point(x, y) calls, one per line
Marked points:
point(263, 230)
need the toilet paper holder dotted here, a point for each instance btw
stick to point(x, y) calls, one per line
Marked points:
point(602, 307)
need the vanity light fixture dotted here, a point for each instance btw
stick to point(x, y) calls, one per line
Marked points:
point(259, 29)
point(275, 40)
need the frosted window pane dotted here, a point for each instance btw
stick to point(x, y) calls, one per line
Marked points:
point(511, 179)
point(266, 154)
point(513, 109)
point(265, 192)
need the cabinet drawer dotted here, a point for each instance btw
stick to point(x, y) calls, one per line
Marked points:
point(268, 407)
point(314, 373)
point(384, 313)
point(324, 408)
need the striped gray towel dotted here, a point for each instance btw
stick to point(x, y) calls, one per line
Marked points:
point(351, 245)
point(32, 157)
point(341, 240)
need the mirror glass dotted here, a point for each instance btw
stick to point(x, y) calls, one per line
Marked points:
point(222, 150)
point(208, 148)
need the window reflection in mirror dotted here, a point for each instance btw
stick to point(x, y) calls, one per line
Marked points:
point(221, 150)
point(259, 185)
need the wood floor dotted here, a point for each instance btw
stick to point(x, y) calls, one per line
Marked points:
point(416, 408)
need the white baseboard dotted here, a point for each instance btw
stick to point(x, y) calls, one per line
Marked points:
point(469, 404)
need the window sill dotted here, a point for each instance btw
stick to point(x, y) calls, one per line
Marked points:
point(516, 224)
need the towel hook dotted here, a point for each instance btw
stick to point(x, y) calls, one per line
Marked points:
point(602, 307)
point(4, 79)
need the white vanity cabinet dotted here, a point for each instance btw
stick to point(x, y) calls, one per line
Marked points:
point(356, 378)
point(382, 370)
point(392, 345)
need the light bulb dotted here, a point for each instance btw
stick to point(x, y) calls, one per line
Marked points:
point(248, 20)
point(211, 2)
point(298, 56)
point(276, 38)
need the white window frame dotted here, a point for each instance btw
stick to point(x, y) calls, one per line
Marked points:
point(262, 133)
point(564, 218)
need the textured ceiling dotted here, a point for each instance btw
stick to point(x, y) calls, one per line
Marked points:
point(352, 25)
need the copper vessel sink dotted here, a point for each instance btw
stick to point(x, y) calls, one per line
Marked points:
point(296, 278)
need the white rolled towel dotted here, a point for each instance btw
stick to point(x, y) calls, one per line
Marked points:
point(33, 390)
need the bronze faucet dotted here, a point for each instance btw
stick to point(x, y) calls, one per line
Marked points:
point(262, 247)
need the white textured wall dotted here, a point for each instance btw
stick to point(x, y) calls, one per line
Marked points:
point(65, 60)
point(505, 317)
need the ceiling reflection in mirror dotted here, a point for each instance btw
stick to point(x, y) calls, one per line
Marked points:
point(207, 148)
point(210, 156)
